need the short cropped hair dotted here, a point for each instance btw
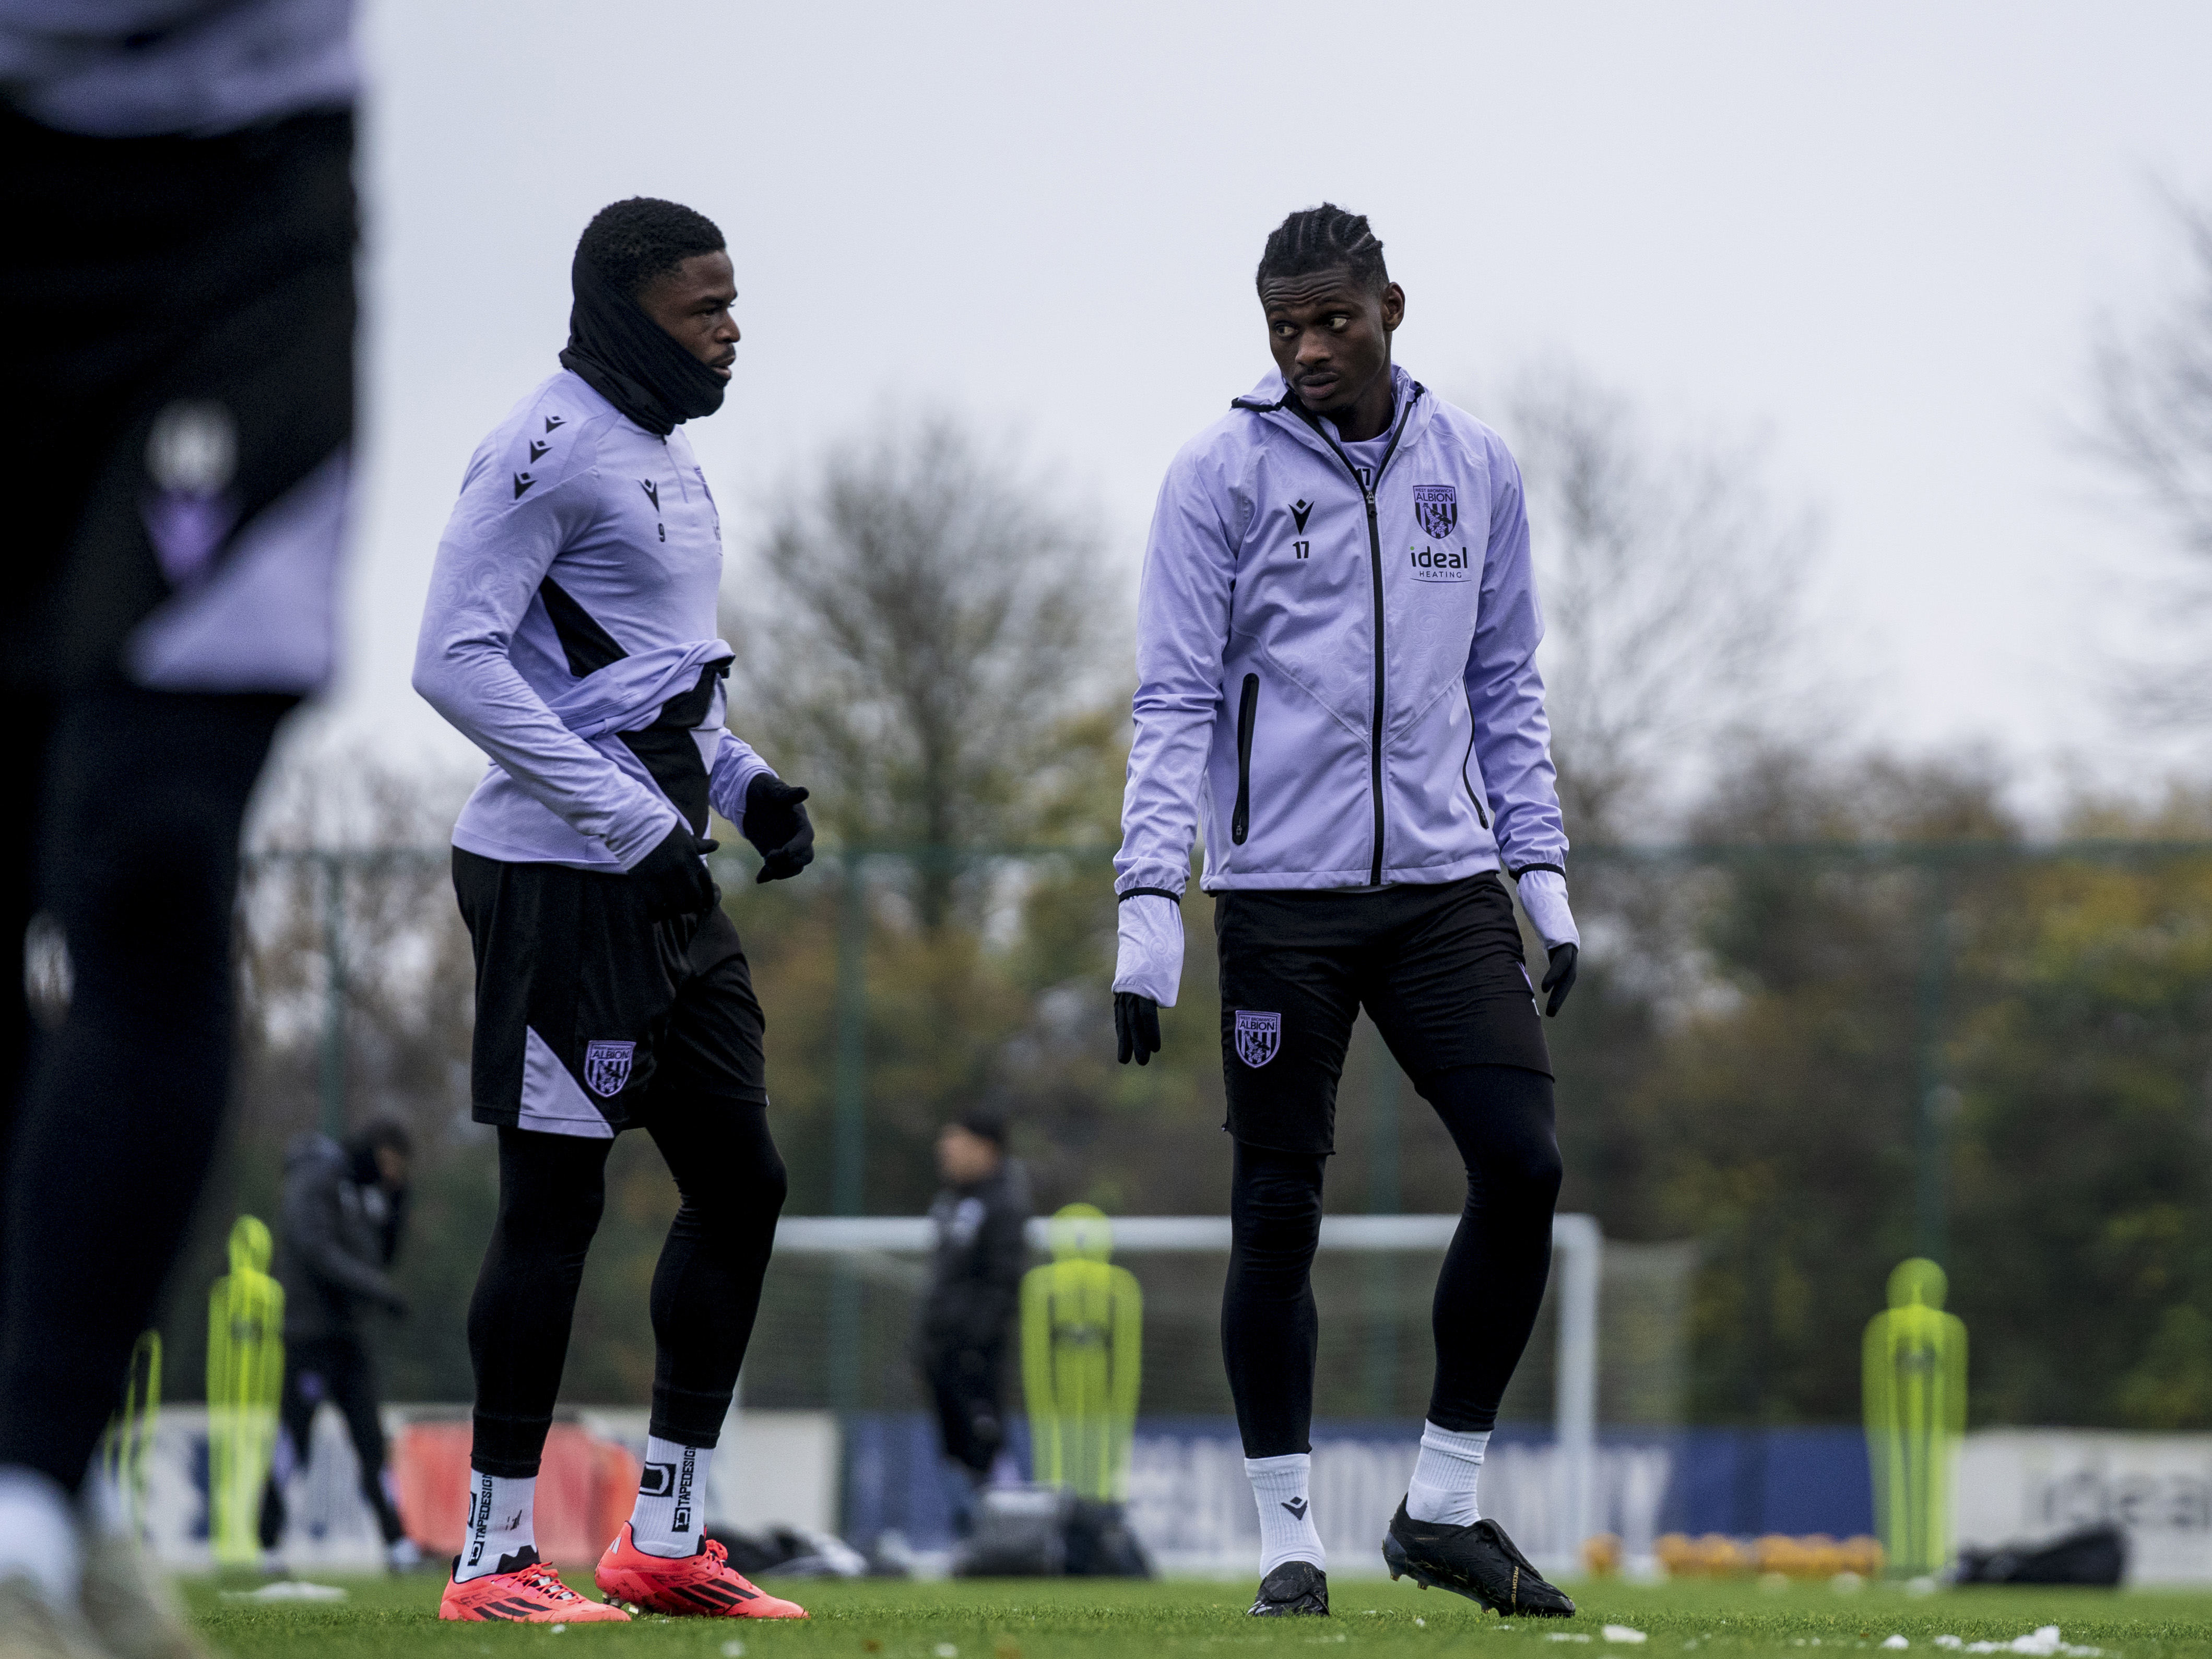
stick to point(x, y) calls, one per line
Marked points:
point(1324, 238)
point(384, 1132)
point(985, 1123)
point(631, 243)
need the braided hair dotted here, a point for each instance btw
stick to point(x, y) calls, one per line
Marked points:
point(630, 243)
point(1324, 238)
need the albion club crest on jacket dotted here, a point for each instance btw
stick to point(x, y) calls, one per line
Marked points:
point(1340, 674)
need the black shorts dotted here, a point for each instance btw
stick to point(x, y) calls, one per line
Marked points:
point(1438, 968)
point(201, 288)
point(590, 1017)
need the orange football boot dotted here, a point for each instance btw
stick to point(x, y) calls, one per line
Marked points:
point(527, 1592)
point(704, 1583)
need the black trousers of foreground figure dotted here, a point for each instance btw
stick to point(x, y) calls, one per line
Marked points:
point(192, 286)
point(131, 849)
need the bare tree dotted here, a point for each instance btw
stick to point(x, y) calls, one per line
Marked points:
point(2154, 430)
point(1673, 594)
point(919, 624)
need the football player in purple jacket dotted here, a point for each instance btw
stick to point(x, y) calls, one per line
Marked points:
point(569, 634)
point(1337, 684)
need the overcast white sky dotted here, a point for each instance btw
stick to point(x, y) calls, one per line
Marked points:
point(1880, 231)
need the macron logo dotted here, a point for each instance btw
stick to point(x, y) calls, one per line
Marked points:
point(1296, 1506)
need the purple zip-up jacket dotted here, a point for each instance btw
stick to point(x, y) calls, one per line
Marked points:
point(1339, 687)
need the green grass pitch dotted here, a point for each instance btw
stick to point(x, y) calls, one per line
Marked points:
point(1190, 1620)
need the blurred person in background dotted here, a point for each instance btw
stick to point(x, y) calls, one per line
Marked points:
point(345, 1207)
point(974, 1285)
point(176, 177)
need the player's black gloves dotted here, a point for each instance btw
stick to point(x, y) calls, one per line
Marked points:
point(676, 883)
point(1561, 978)
point(778, 827)
point(1136, 1027)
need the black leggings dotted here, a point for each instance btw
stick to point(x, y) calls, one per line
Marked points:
point(1493, 1282)
point(706, 1289)
point(125, 833)
point(337, 1369)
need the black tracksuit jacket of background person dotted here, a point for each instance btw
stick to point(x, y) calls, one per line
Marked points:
point(975, 1285)
point(338, 1233)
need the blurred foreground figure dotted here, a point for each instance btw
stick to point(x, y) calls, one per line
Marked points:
point(975, 1283)
point(1336, 637)
point(569, 635)
point(345, 1207)
point(176, 178)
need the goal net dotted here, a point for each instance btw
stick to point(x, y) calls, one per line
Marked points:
point(836, 1334)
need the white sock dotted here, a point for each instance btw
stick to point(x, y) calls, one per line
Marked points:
point(502, 1519)
point(102, 1512)
point(1442, 1488)
point(1286, 1528)
point(38, 1535)
point(670, 1493)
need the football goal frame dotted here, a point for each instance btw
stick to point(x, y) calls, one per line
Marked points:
point(1578, 1246)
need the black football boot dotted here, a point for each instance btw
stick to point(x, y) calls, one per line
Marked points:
point(1296, 1588)
point(1478, 1562)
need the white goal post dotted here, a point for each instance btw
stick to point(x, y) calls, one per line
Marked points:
point(1577, 1243)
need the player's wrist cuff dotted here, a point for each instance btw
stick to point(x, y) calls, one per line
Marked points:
point(1148, 954)
point(1544, 896)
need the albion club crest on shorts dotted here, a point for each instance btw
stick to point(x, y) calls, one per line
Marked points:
point(606, 1067)
point(1258, 1036)
point(1437, 506)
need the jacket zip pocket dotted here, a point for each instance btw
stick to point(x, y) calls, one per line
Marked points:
point(1248, 707)
point(1480, 812)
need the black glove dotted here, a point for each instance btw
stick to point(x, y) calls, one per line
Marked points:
point(1561, 978)
point(778, 827)
point(1136, 1027)
point(676, 883)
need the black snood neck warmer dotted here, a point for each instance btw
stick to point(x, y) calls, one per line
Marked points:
point(630, 360)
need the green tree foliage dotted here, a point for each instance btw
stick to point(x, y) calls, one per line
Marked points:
point(1746, 1074)
point(2083, 1186)
point(1765, 1109)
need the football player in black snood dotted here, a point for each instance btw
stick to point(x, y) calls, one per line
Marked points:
point(633, 360)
